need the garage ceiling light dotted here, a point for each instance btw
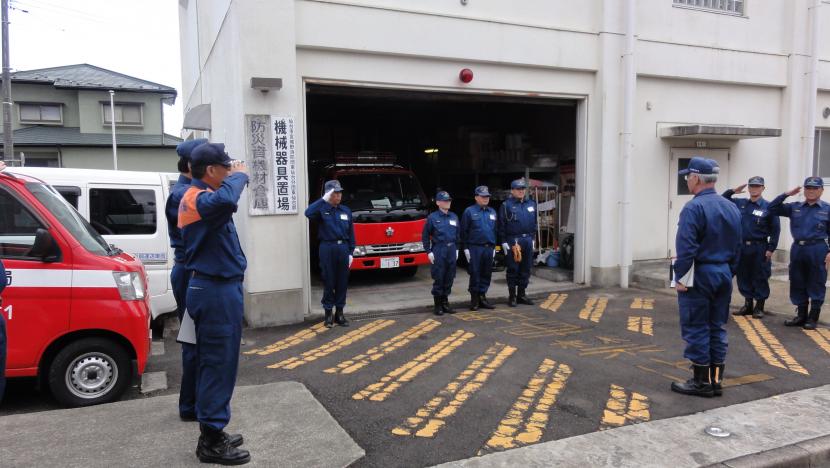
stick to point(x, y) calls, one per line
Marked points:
point(431, 151)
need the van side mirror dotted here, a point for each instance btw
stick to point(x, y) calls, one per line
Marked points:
point(44, 247)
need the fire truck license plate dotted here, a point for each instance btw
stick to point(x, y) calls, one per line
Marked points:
point(390, 262)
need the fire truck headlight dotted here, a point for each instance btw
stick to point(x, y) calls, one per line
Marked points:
point(129, 285)
point(359, 251)
point(414, 247)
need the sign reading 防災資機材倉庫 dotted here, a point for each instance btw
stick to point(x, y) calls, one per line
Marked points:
point(271, 157)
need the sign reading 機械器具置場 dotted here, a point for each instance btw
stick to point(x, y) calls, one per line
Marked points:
point(271, 154)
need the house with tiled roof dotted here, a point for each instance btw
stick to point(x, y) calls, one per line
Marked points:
point(62, 118)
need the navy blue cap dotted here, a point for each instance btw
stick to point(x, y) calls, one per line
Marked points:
point(333, 184)
point(184, 148)
point(757, 180)
point(700, 165)
point(209, 154)
point(518, 184)
point(482, 191)
point(813, 182)
point(442, 196)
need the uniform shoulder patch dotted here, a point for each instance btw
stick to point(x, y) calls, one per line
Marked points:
point(188, 214)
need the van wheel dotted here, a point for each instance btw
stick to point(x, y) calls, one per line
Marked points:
point(88, 372)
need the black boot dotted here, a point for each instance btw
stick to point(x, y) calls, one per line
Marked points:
point(483, 303)
point(511, 299)
point(698, 385)
point(437, 309)
point(329, 322)
point(522, 298)
point(800, 318)
point(445, 305)
point(812, 319)
point(339, 318)
point(758, 310)
point(746, 309)
point(215, 447)
point(473, 301)
point(716, 377)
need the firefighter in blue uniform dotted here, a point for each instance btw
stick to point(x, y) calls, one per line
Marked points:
point(708, 243)
point(336, 235)
point(759, 232)
point(440, 238)
point(179, 278)
point(2, 327)
point(810, 228)
point(517, 227)
point(478, 236)
point(214, 294)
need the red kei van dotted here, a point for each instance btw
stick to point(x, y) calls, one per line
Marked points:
point(77, 313)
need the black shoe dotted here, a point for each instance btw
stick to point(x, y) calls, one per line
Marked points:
point(329, 322)
point(812, 319)
point(746, 309)
point(473, 301)
point(215, 447)
point(698, 385)
point(800, 319)
point(445, 305)
point(235, 439)
point(511, 299)
point(339, 318)
point(716, 377)
point(187, 417)
point(437, 309)
point(758, 310)
point(522, 298)
point(483, 303)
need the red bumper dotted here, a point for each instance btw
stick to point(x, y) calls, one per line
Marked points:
point(405, 260)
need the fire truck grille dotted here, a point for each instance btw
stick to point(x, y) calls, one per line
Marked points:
point(379, 249)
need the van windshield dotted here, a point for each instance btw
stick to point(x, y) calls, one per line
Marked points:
point(70, 218)
point(382, 193)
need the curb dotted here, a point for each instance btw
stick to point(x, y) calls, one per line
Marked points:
point(808, 454)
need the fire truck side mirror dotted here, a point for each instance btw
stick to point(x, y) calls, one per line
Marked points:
point(44, 247)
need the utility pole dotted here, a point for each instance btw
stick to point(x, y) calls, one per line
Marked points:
point(8, 141)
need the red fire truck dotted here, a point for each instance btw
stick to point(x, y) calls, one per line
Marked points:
point(388, 207)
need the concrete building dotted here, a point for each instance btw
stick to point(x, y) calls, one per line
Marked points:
point(619, 94)
point(61, 118)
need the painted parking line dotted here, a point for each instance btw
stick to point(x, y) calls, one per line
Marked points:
point(525, 422)
point(821, 336)
point(380, 390)
point(641, 324)
point(293, 340)
point(645, 303)
point(594, 308)
point(333, 345)
point(373, 354)
point(554, 302)
point(431, 417)
point(624, 407)
point(767, 345)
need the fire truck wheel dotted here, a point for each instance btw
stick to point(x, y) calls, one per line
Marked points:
point(408, 272)
point(88, 372)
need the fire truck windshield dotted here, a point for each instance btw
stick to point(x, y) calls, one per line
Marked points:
point(382, 193)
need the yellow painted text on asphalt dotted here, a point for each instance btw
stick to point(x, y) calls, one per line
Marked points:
point(624, 407)
point(767, 345)
point(293, 340)
point(645, 303)
point(594, 308)
point(821, 336)
point(554, 302)
point(644, 325)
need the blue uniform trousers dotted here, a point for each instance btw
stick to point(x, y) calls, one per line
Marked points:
point(518, 274)
point(704, 311)
point(334, 268)
point(808, 273)
point(754, 271)
point(480, 268)
point(187, 393)
point(216, 307)
point(2, 354)
point(443, 270)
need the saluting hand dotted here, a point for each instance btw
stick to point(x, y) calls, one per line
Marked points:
point(739, 189)
point(327, 195)
point(238, 166)
point(794, 191)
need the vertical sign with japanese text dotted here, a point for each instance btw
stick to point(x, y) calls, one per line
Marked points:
point(285, 168)
point(272, 165)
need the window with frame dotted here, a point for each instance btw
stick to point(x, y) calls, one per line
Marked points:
point(17, 227)
point(732, 7)
point(125, 113)
point(40, 113)
point(821, 153)
point(122, 211)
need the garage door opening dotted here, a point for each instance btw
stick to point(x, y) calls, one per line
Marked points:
point(392, 150)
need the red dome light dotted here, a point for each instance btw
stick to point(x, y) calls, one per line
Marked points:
point(466, 75)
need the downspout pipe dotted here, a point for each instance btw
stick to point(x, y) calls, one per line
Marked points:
point(812, 90)
point(629, 88)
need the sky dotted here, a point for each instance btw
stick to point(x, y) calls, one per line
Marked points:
point(139, 38)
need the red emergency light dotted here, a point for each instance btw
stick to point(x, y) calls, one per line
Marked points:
point(374, 158)
point(466, 75)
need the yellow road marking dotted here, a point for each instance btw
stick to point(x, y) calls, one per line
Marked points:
point(392, 381)
point(554, 301)
point(373, 354)
point(332, 346)
point(767, 345)
point(642, 325)
point(642, 303)
point(525, 422)
point(431, 417)
point(594, 308)
point(624, 406)
point(292, 340)
point(746, 379)
point(821, 336)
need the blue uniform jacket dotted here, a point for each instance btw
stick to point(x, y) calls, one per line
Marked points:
point(440, 228)
point(516, 218)
point(757, 223)
point(206, 220)
point(171, 211)
point(478, 226)
point(807, 222)
point(709, 231)
point(335, 222)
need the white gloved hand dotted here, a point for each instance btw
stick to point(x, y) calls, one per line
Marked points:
point(350, 261)
point(327, 195)
point(494, 253)
point(506, 248)
point(431, 257)
point(534, 244)
point(467, 254)
point(456, 254)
